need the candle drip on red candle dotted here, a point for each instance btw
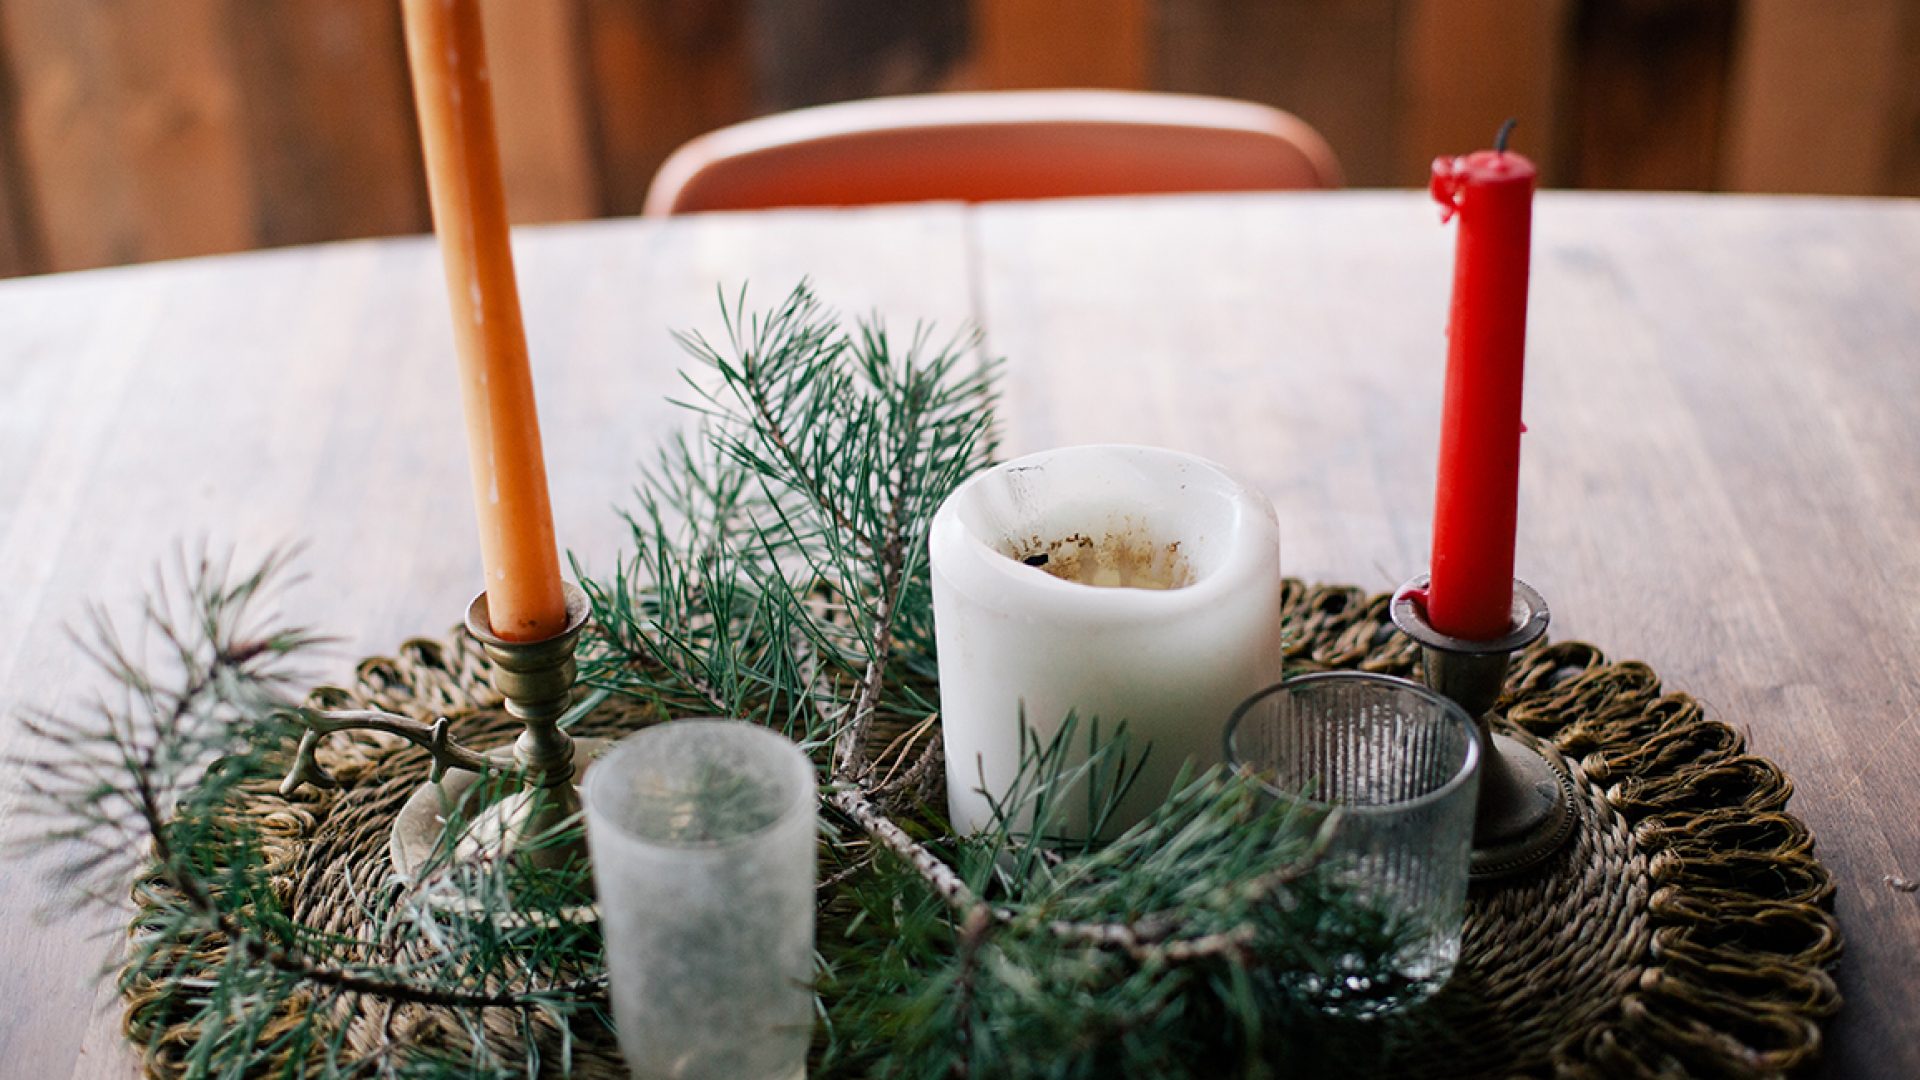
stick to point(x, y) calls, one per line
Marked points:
point(1476, 498)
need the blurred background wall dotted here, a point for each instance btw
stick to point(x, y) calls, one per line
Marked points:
point(145, 129)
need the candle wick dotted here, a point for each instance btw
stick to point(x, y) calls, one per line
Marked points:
point(1506, 131)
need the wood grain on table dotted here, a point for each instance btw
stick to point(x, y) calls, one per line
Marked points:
point(1722, 475)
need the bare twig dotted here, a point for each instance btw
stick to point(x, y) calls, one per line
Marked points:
point(896, 754)
point(850, 756)
point(915, 775)
point(852, 801)
point(973, 936)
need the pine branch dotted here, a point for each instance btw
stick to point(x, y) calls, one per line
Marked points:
point(776, 435)
point(779, 574)
point(150, 782)
point(794, 355)
point(785, 347)
point(170, 868)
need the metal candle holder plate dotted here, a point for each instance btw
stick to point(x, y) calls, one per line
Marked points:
point(536, 678)
point(1525, 813)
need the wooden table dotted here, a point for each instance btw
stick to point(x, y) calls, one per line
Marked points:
point(1722, 475)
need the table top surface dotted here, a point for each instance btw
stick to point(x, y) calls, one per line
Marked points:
point(1722, 474)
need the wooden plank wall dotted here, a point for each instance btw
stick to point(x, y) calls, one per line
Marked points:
point(145, 129)
point(1464, 66)
point(540, 96)
point(1839, 132)
point(1645, 103)
point(1021, 45)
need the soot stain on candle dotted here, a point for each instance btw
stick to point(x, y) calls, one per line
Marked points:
point(1125, 559)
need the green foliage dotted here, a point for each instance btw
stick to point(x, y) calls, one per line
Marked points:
point(1181, 949)
point(790, 534)
point(778, 573)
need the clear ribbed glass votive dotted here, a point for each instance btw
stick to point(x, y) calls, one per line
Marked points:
point(1398, 766)
point(703, 837)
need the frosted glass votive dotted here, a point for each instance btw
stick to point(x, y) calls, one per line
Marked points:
point(1397, 768)
point(703, 839)
point(1123, 583)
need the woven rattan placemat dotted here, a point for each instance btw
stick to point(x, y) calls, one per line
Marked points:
point(1686, 929)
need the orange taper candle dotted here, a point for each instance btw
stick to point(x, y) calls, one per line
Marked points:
point(455, 103)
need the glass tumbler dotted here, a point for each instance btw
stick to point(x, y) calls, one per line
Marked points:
point(1397, 768)
point(703, 835)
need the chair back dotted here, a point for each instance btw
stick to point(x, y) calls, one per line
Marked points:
point(979, 147)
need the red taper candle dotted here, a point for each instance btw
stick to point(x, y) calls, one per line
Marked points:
point(1477, 496)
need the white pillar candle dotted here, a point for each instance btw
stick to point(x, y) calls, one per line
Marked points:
point(1119, 582)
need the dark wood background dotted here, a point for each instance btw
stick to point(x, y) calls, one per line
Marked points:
point(146, 129)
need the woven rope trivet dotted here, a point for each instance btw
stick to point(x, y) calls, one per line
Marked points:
point(1685, 930)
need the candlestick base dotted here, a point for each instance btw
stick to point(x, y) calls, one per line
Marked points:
point(536, 678)
point(499, 827)
point(1525, 813)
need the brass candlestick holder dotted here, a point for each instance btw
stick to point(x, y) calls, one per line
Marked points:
point(1526, 794)
point(542, 767)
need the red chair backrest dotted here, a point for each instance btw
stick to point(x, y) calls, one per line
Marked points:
point(979, 147)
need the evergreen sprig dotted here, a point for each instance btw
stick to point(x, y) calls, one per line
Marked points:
point(777, 573)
